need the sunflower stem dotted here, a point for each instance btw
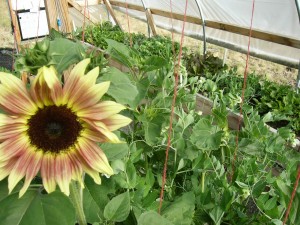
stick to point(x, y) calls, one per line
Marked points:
point(75, 196)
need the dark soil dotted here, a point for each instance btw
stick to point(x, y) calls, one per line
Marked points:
point(6, 58)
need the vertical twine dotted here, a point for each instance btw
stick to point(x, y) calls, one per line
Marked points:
point(176, 71)
point(292, 198)
point(243, 95)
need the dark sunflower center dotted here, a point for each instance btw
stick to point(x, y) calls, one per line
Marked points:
point(54, 129)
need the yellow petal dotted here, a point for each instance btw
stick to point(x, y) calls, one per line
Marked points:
point(86, 95)
point(48, 172)
point(19, 169)
point(63, 172)
point(79, 69)
point(14, 97)
point(31, 171)
point(46, 88)
point(116, 121)
point(91, 77)
point(101, 110)
point(94, 156)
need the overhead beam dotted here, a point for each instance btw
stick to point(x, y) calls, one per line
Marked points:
point(266, 36)
point(80, 9)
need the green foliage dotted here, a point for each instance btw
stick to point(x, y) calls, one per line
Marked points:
point(97, 35)
point(279, 104)
point(35, 208)
point(201, 187)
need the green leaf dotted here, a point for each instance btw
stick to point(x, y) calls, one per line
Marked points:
point(121, 88)
point(120, 52)
point(181, 211)
point(154, 63)
point(271, 203)
point(205, 135)
point(4, 189)
point(64, 52)
point(152, 128)
point(131, 174)
point(153, 218)
point(35, 208)
point(251, 147)
point(118, 208)
point(216, 215)
point(115, 151)
point(95, 197)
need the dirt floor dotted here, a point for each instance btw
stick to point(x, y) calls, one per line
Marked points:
point(268, 70)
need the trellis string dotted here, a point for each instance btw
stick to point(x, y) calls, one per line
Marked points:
point(176, 71)
point(128, 24)
point(292, 197)
point(83, 25)
point(243, 95)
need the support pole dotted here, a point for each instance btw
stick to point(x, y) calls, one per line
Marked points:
point(151, 21)
point(225, 56)
point(15, 25)
point(203, 27)
point(298, 77)
point(149, 33)
point(111, 12)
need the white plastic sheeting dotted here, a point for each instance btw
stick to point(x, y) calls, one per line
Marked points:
point(272, 16)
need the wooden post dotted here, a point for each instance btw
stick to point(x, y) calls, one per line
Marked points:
point(16, 28)
point(111, 12)
point(151, 21)
point(58, 9)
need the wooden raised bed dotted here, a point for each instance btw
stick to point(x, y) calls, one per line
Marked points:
point(203, 103)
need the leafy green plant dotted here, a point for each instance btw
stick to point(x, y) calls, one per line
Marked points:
point(201, 187)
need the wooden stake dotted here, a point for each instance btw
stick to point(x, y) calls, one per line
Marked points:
point(16, 28)
point(151, 21)
point(111, 12)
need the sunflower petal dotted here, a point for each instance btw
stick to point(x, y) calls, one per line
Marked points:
point(46, 88)
point(91, 77)
point(63, 173)
point(20, 168)
point(14, 97)
point(101, 110)
point(6, 119)
point(80, 68)
point(103, 131)
point(11, 130)
point(86, 96)
point(48, 172)
point(116, 121)
point(13, 147)
point(86, 168)
point(94, 156)
point(73, 78)
point(31, 171)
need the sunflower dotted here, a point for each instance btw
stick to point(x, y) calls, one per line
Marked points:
point(53, 128)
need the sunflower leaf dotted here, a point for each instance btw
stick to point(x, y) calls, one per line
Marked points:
point(121, 88)
point(35, 208)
